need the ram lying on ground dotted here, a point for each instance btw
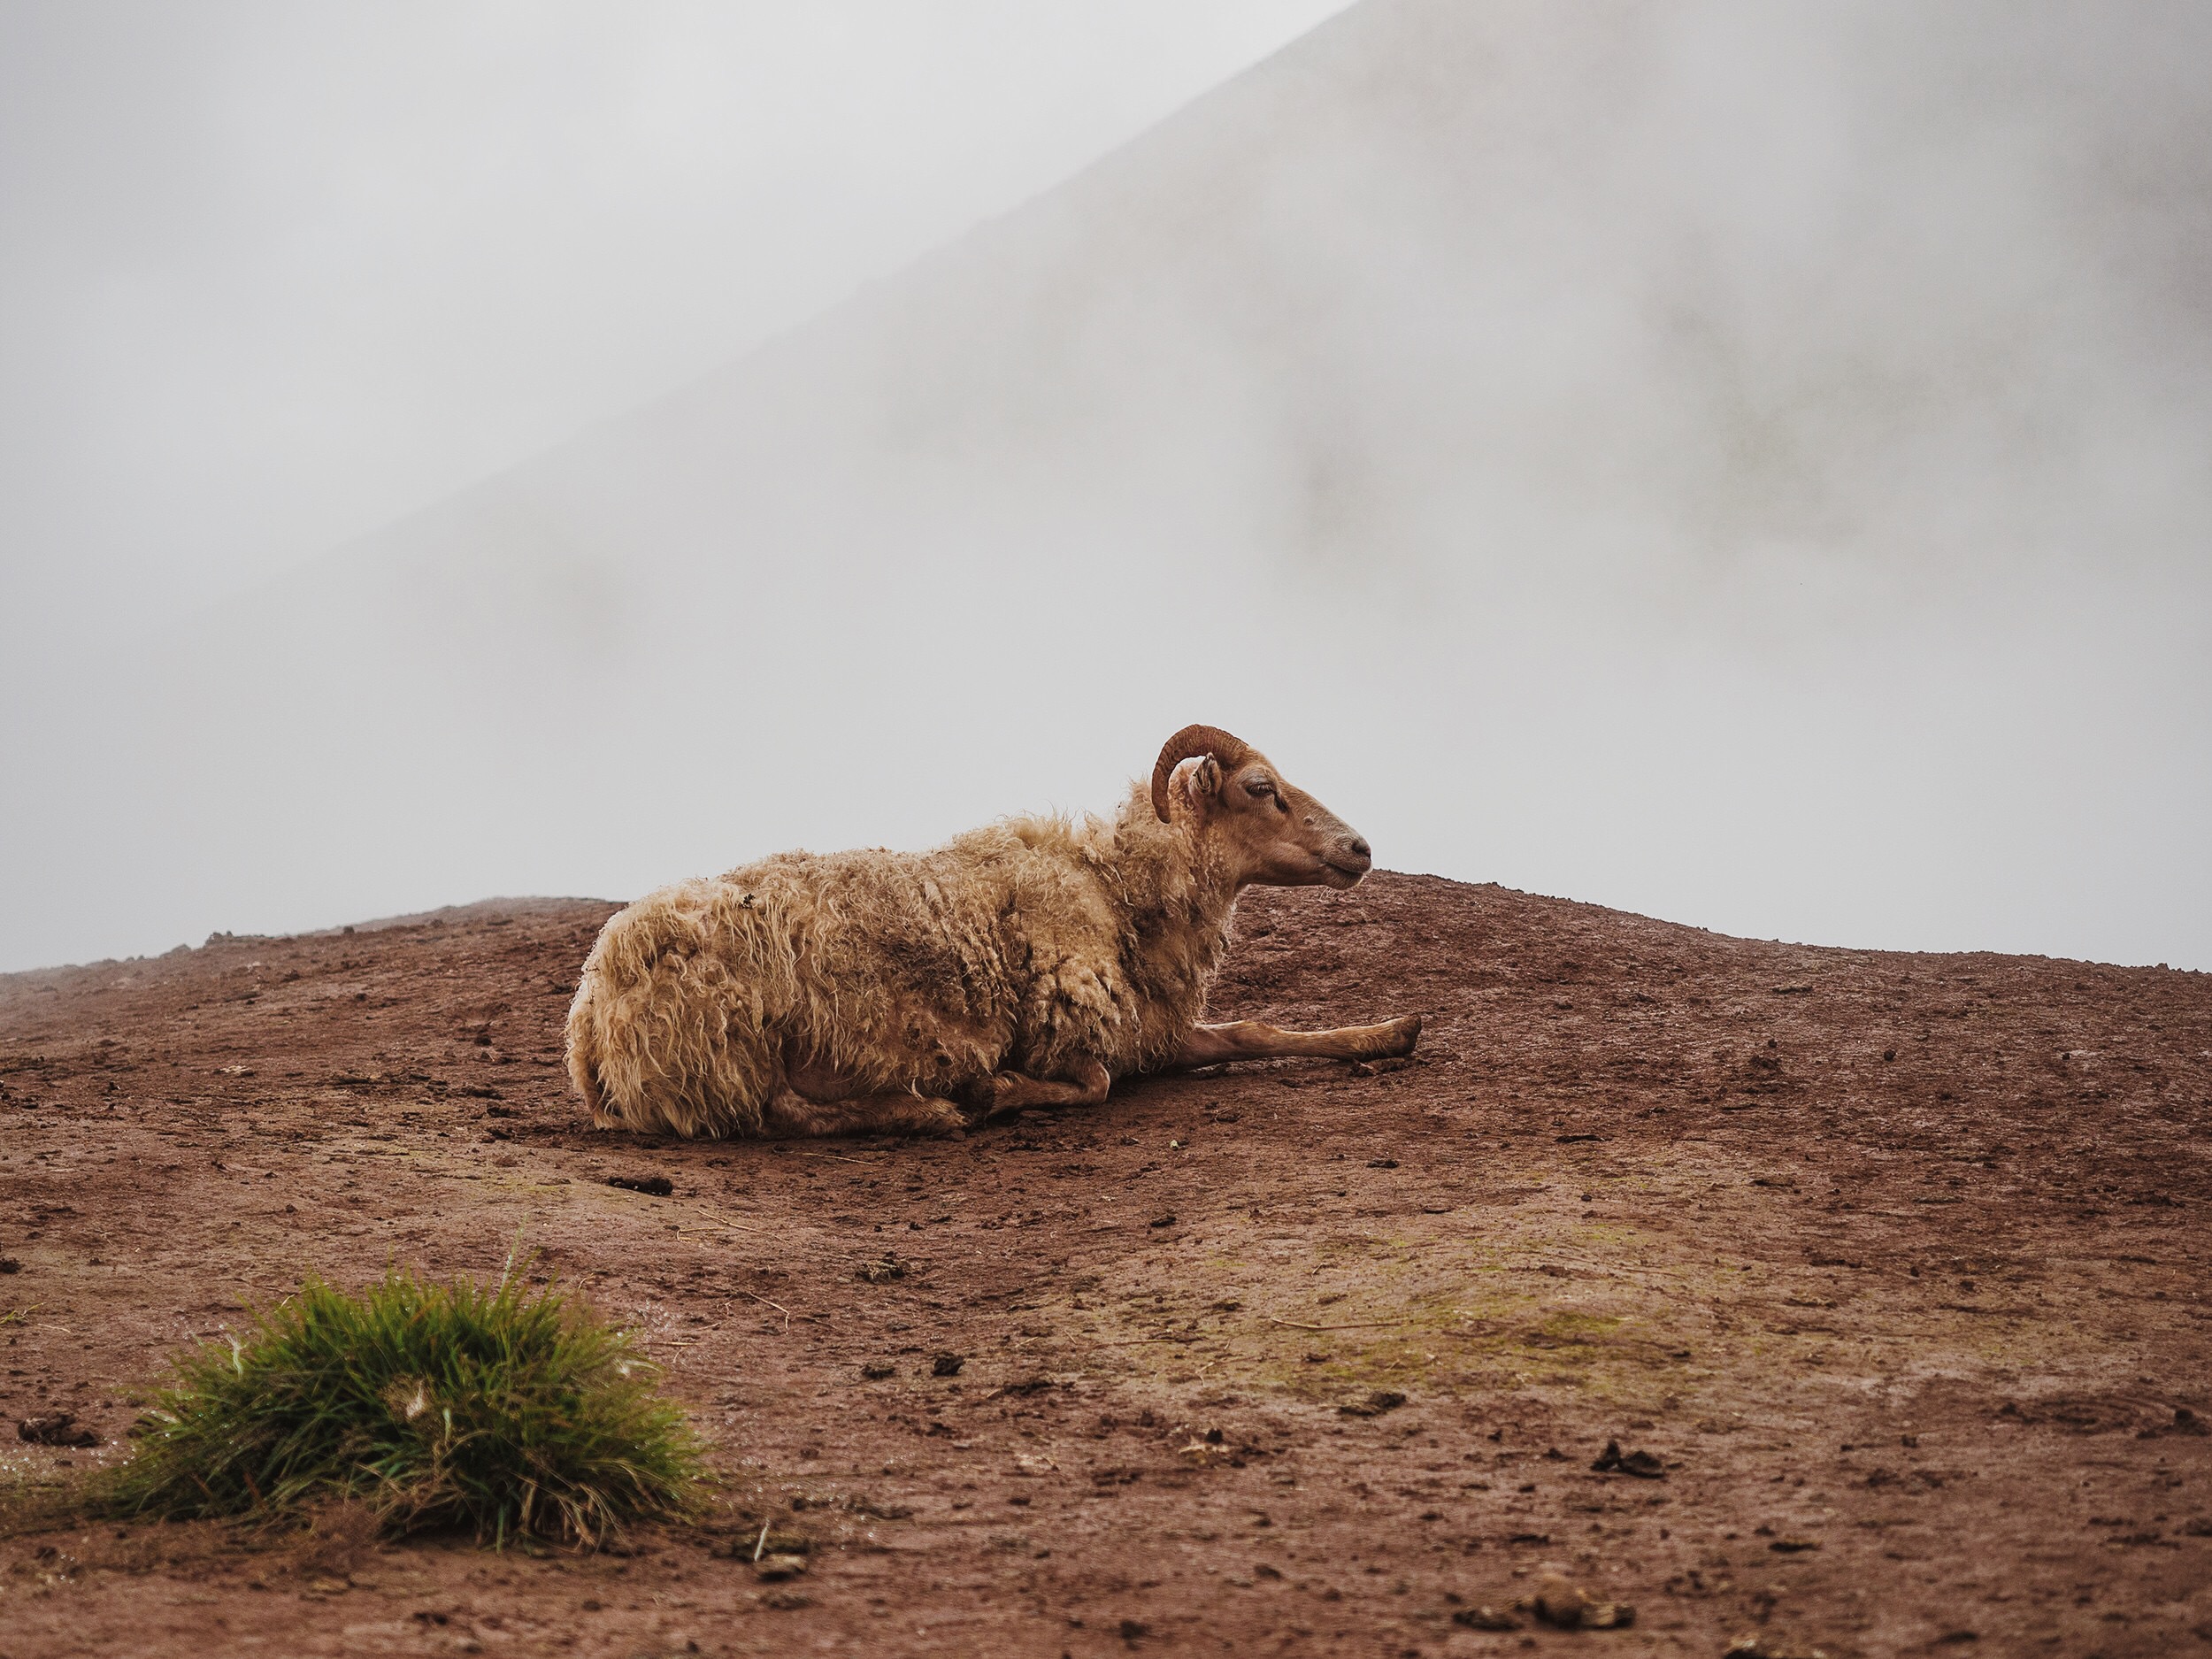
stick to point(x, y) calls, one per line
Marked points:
point(1028, 964)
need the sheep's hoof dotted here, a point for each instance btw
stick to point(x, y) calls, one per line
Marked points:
point(1405, 1031)
point(936, 1118)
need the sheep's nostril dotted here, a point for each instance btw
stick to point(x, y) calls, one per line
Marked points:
point(1360, 848)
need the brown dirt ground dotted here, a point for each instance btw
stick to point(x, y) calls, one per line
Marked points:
point(1909, 1335)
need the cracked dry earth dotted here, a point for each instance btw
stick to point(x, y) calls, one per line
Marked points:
point(1896, 1265)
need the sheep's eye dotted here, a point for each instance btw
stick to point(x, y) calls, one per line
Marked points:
point(1259, 789)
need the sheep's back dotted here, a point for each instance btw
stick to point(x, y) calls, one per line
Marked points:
point(899, 966)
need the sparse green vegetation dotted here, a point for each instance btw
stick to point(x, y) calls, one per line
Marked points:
point(510, 1412)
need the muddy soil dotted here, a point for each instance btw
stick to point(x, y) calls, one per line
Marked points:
point(1893, 1267)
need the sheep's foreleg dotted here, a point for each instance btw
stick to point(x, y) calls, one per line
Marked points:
point(1248, 1039)
point(1011, 1090)
point(792, 1114)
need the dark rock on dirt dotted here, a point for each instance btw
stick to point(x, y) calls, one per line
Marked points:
point(56, 1428)
point(947, 1365)
point(1643, 1465)
point(651, 1186)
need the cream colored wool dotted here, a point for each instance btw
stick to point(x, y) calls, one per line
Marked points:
point(1034, 945)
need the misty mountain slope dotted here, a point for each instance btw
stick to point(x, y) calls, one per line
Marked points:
point(1742, 467)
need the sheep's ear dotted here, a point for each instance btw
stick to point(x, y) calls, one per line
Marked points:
point(1195, 785)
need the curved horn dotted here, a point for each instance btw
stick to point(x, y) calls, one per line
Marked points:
point(1230, 752)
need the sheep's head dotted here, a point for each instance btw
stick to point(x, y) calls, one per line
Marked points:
point(1270, 832)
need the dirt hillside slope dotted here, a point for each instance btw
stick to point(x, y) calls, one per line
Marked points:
point(1896, 1265)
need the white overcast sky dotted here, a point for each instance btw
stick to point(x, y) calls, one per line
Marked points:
point(274, 275)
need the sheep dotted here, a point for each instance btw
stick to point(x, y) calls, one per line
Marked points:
point(1028, 964)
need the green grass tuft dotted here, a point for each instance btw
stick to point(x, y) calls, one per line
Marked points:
point(510, 1413)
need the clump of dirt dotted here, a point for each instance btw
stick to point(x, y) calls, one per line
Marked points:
point(1893, 1266)
point(1565, 1605)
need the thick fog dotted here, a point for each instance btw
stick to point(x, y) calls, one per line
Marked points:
point(272, 275)
point(1744, 465)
